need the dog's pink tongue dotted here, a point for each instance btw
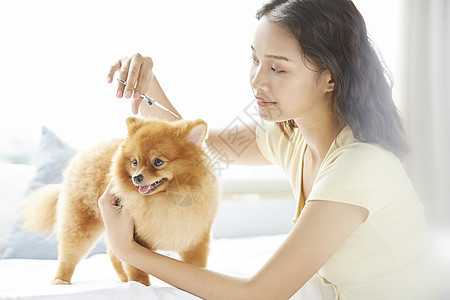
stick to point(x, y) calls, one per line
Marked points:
point(143, 189)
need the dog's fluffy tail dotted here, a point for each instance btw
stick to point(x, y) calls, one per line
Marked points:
point(39, 209)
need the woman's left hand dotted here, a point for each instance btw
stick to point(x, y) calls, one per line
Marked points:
point(119, 226)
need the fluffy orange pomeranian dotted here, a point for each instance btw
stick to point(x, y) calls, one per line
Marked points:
point(160, 174)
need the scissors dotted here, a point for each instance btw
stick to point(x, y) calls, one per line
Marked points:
point(150, 100)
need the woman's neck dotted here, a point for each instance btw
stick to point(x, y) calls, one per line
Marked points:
point(319, 134)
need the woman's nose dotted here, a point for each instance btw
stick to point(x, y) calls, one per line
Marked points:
point(258, 80)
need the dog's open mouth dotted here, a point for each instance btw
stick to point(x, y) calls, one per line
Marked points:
point(147, 189)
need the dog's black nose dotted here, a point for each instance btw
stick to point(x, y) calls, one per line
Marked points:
point(138, 179)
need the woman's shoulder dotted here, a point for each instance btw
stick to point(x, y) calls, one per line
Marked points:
point(346, 145)
point(360, 160)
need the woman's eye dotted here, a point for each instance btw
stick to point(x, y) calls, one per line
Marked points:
point(135, 163)
point(157, 162)
point(276, 70)
point(254, 60)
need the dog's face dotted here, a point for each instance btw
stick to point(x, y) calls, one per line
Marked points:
point(155, 152)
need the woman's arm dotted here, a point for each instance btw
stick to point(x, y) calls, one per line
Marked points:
point(322, 227)
point(219, 141)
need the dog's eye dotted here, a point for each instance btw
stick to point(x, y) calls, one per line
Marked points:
point(157, 162)
point(135, 163)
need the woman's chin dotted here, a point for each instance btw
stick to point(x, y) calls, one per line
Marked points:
point(270, 115)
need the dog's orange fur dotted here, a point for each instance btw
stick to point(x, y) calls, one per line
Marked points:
point(162, 221)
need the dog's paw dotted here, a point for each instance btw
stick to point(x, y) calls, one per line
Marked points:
point(60, 282)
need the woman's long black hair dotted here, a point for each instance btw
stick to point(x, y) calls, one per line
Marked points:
point(333, 36)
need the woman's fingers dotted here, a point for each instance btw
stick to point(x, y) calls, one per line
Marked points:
point(114, 68)
point(134, 69)
point(145, 77)
point(135, 103)
point(123, 74)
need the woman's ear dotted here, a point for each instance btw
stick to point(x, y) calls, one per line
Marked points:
point(329, 81)
point(197, 132)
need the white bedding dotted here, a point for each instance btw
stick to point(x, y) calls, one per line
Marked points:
point(94, 277)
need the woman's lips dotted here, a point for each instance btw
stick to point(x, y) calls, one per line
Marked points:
point(264, 103)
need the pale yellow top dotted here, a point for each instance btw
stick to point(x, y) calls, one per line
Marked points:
point(387, 256)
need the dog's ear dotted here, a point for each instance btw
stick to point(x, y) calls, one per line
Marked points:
point(134, 124)
point(197, 132)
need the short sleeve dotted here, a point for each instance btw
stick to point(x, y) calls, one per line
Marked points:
point(357, 174)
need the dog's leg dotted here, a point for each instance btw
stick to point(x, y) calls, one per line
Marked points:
point(198, 255)
point(77, 231)
point(71, 250)
point(117, 264)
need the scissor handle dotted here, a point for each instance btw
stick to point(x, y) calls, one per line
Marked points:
point(148, 99)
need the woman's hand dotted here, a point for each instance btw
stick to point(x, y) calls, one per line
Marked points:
point(119, 227)
point(136, 70)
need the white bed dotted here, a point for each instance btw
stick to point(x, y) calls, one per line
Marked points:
point(94, 277)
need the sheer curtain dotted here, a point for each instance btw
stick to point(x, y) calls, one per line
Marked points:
point(424, 92)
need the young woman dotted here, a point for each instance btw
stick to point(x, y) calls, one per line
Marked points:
point(338, 136)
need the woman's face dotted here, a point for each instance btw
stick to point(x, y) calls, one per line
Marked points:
point(283, 82)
